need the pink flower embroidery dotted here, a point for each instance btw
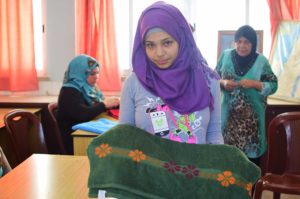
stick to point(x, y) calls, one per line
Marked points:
point(171, 166)
point(190, 171)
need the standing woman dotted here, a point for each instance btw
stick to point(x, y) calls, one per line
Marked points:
point(80, 100)
point(246, 81)
point(172, 93)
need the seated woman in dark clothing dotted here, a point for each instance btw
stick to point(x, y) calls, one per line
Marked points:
point(80, 100)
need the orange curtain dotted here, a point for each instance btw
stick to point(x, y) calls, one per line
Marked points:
point(95, 36)
point(282, 10)
point(17, 66)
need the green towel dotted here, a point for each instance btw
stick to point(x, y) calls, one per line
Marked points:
point(130, 163)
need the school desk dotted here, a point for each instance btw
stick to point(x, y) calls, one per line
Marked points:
point(47, 176)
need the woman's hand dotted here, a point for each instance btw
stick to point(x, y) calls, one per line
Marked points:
point(249, 83)
point(229, 84)
point(111, 102)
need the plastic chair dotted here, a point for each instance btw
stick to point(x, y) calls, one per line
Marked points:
point(283, 159)
point(52, 108)
point(26, 133)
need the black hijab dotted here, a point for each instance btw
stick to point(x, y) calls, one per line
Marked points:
point(242, 64)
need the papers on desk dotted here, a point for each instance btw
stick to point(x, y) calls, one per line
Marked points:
point(98, 126)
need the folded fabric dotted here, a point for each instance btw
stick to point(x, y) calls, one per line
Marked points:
point(114, 113)
point(98, 126)
point(128, 162)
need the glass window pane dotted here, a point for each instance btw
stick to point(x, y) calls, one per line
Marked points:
point(261, 21)
point(208, 16)
point(38, 36)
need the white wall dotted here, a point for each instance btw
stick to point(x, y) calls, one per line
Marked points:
point(60, 34)
point(60, 43)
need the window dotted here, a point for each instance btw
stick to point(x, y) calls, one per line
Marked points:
point(206, 17)
point(39, 46)
point(127, 14)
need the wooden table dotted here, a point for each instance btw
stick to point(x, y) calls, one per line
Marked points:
point(29, 100)
point(48, 177)
point(81, 138)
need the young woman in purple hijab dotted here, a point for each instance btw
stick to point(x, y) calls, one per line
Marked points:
point(171, 93)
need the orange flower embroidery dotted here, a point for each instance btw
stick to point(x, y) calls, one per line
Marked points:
point(137, 155)
point(226, 178)
point(103, 150)
point(249, 188)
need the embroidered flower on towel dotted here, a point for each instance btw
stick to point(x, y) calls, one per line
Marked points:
point(137, 155)
point(249, 188)
point(226, 178)
point(171, 166)
point(190, 171)
point(103, 150)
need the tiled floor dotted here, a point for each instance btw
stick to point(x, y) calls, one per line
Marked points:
point(269, 195)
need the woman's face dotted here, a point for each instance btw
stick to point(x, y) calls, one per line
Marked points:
point(243, 47)
point(93, 77)
point(161, 48)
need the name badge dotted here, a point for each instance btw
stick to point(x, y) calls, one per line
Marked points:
point(159, 121)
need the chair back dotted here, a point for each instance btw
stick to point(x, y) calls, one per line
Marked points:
point(26, 133)
point(284, 144)
point(53, 108)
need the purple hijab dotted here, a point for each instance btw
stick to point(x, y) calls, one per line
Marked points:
point(184, 86)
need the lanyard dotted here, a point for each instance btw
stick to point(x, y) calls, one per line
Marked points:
point(186, 119)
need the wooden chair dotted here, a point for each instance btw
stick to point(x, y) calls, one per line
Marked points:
point(283, 159)
point(26, 134)
point(52, 108)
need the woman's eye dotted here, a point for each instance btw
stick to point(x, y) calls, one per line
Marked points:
point(94, 73)
point(149, 45)
point(168, 43)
